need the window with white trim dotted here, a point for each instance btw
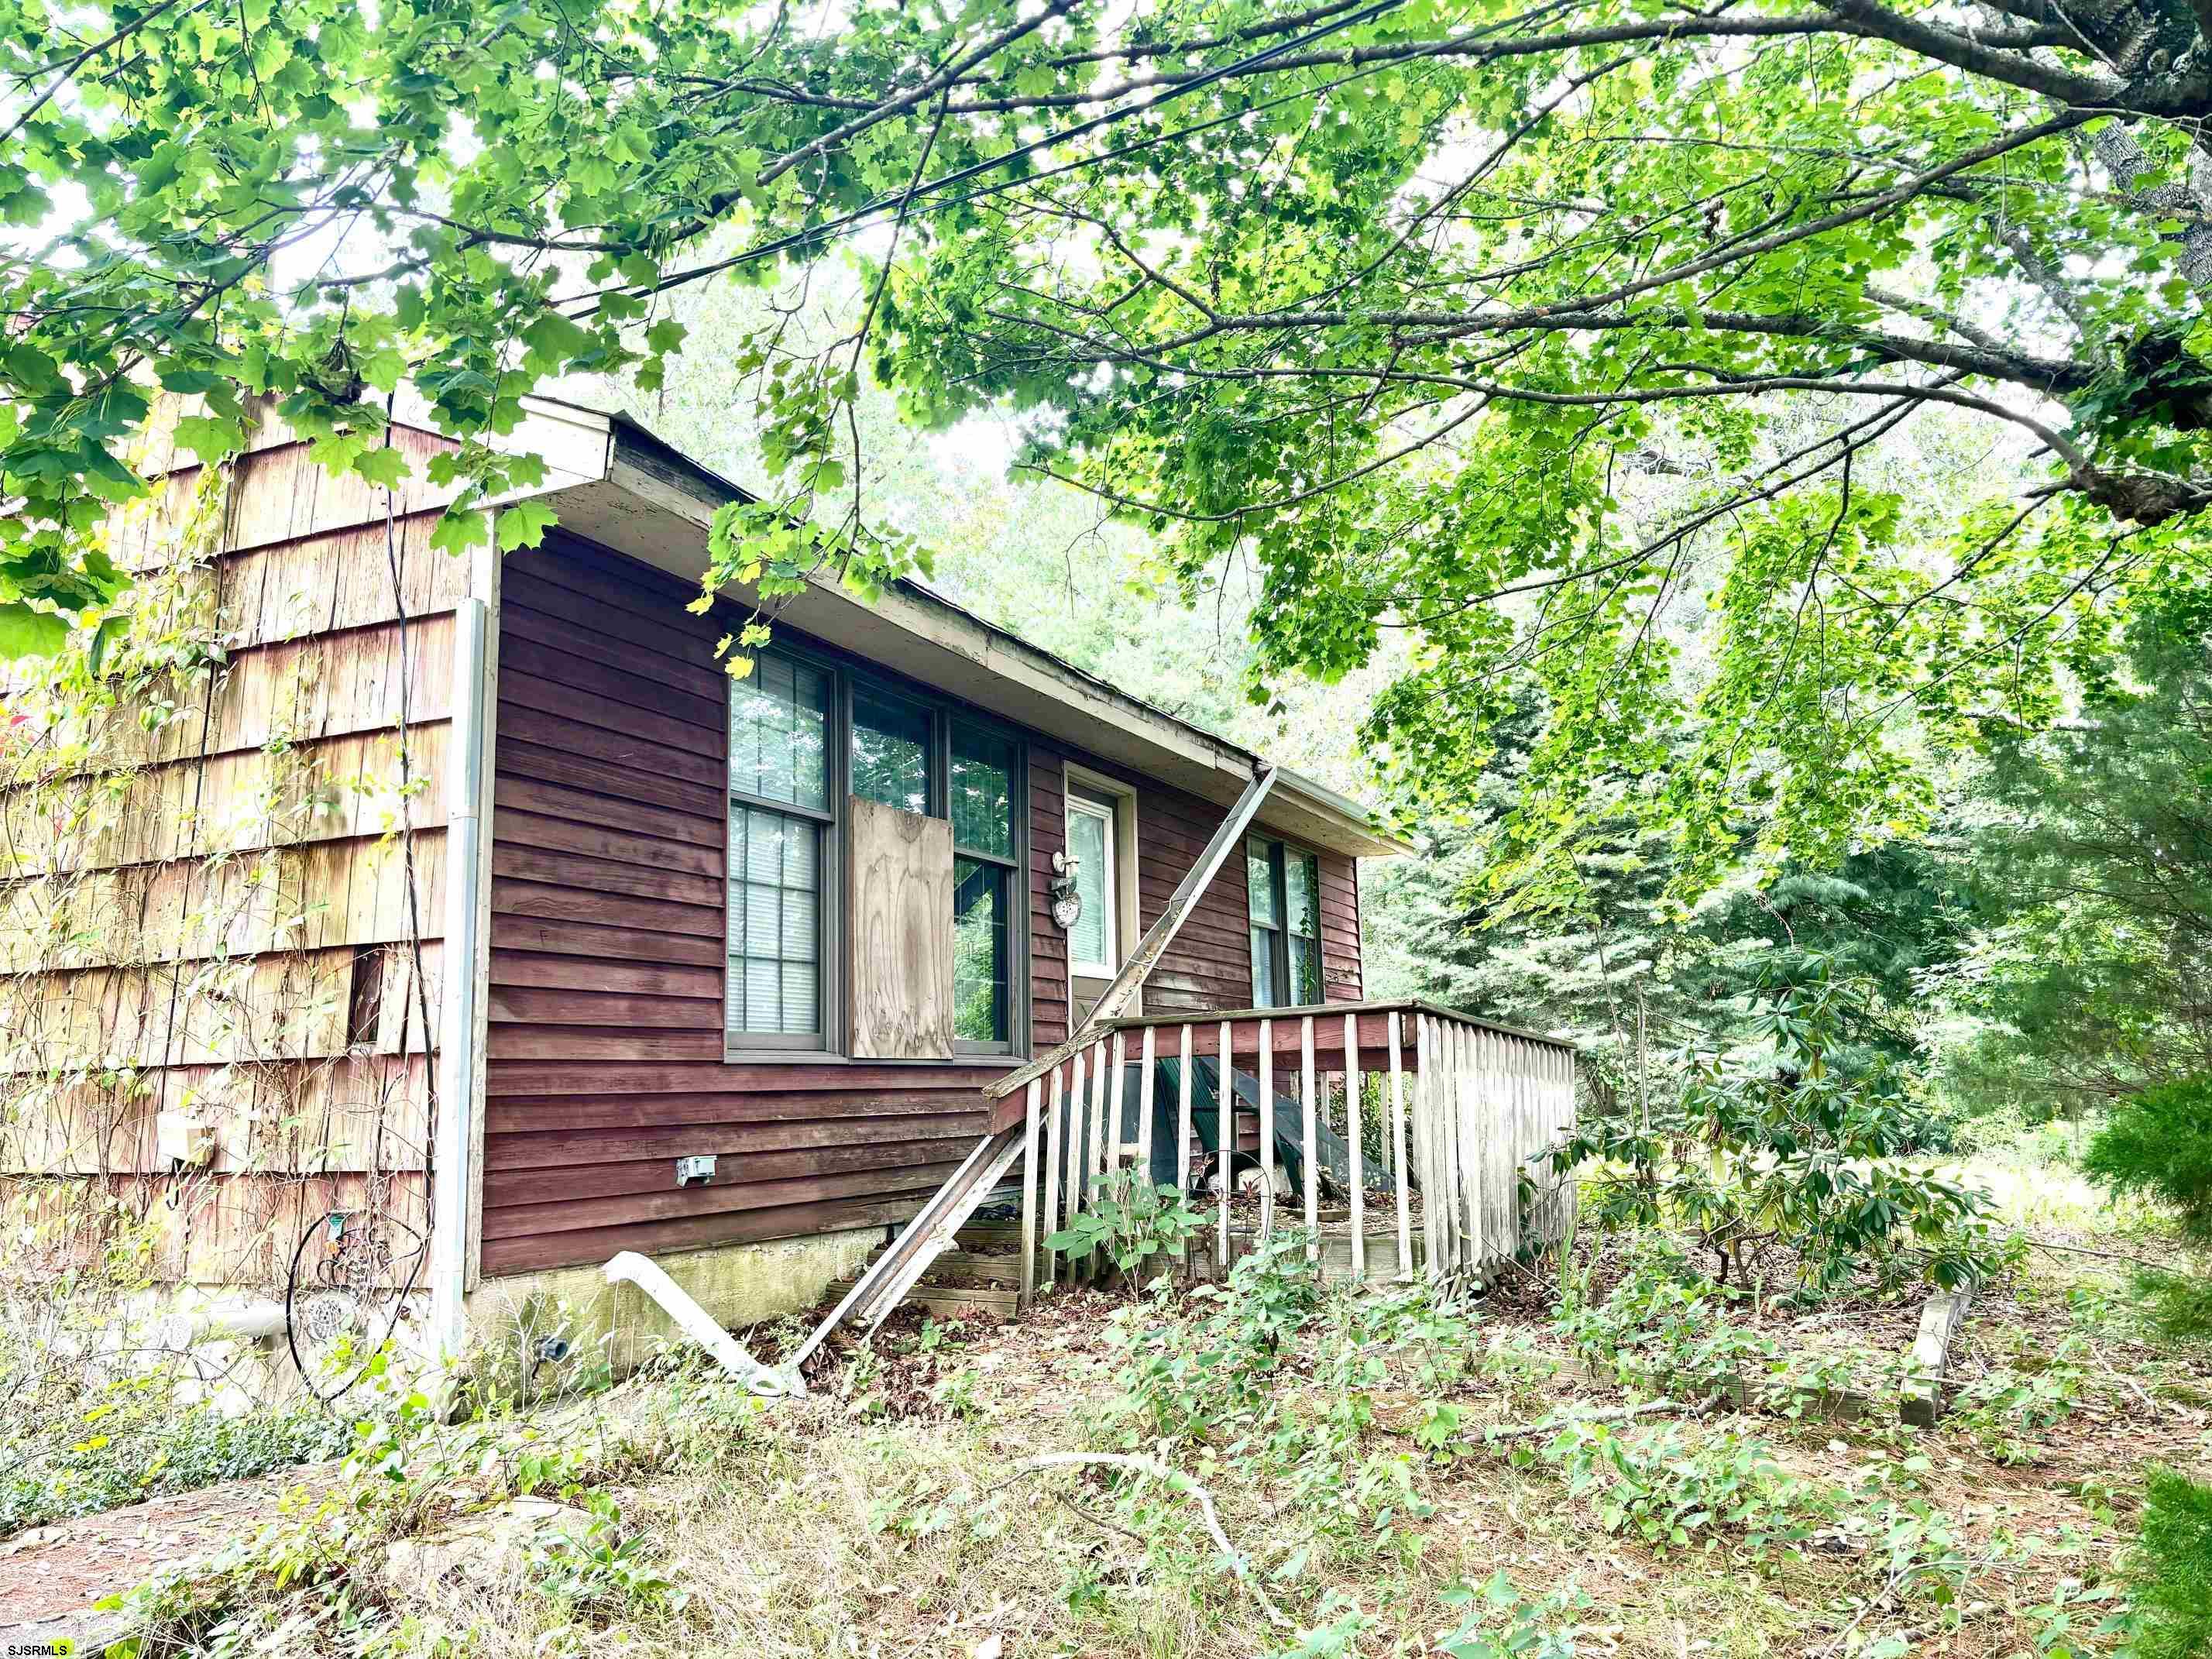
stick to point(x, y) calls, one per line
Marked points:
point(781, 826)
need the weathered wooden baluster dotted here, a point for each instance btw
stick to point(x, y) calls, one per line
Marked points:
point(1117, 1107)
point(1145, 1092)
point(1032, 1199)
point(1102, 1130)
point(1182, 1114)
point(1426, 1145)
point(1055, 1157)
point(1080, 1139)
point(1401, 1173)
point(1353, 1135)
point(1311, 1163)
point(1225, 1132)
point(1267, 1128)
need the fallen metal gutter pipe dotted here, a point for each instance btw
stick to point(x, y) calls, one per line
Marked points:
point(242, 1319)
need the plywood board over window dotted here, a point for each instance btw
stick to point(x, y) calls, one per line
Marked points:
point(900, 880)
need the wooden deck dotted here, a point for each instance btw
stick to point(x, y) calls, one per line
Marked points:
point(1436, 1113)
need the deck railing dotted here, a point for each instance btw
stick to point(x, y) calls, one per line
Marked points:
point(1433, 1126)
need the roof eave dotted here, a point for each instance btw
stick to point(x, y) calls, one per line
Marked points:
point(655, 503)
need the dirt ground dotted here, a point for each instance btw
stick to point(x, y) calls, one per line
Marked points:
point(50, 1576)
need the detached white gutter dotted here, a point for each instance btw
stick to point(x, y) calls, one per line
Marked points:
point(453, 1155)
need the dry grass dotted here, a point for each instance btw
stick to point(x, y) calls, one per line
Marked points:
point(885, 1516)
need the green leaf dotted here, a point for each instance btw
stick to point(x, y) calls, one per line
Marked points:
point(523, 525)
point(457, 530)
point(555, 341)
point(210, 438)
point(27, 633)
point(385, 466)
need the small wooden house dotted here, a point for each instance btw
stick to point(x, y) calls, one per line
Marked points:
point(618, 953)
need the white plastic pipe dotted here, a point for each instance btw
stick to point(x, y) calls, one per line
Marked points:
point(696, 1323)
point(243, 1319)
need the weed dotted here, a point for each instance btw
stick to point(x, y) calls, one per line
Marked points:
point(2170, 1569)
point(137, 1442)
point(2009, 1404)
point(1661, 1330)
point(1132, 1221)
point(1499, 1621)
point(599, 1570)
point(1673, 1496)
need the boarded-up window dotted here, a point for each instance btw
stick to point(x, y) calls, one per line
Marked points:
point(900, 937)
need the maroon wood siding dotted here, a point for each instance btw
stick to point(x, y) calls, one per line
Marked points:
point(607, 951)
point(606, 1049)
point(1209, 964)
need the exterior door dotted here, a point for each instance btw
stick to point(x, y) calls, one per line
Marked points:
point(1094, 943)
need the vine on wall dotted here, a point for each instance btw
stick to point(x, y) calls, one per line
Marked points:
point(165, 896)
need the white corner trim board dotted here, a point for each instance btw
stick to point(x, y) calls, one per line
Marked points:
point(452, 1172)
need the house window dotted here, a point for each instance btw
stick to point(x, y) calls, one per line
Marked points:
point(804, 735)
point(891, 751)
point(984, 868)
point(1283, 884)
point(780, 822)
point(1091, 942)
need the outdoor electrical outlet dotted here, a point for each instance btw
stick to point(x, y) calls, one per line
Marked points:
point(694, 1171)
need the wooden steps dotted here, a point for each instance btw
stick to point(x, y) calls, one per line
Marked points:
point(981, 1275)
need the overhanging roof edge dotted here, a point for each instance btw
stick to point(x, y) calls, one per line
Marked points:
point(658, 479)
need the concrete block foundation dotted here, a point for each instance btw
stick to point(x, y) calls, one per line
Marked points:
point(619, 1327)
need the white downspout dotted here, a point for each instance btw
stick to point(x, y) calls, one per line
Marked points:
point(452, 1167)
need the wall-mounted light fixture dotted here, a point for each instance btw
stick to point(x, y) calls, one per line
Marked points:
point(1066, 903)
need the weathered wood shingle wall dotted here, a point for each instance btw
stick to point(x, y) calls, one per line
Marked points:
point(205, 903)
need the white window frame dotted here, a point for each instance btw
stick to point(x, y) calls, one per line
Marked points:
point(1105, 813)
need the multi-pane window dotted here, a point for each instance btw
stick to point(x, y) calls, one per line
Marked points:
point(1283, 887)
point(1263, 904)
point(793, 761)
point(891, 751)
point(779, 816)
point(983, 871)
